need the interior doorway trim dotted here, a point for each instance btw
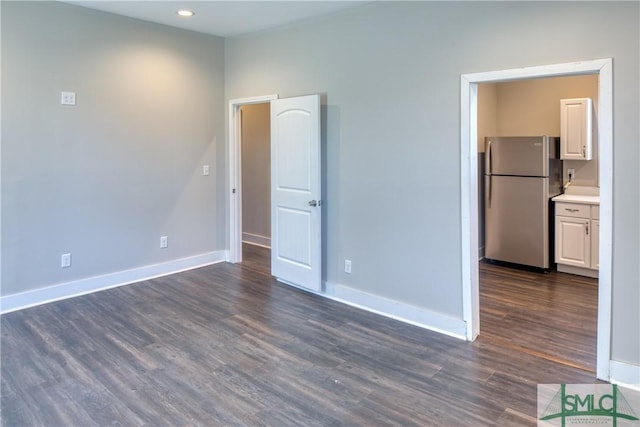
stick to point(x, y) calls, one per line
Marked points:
point(469, 189)
point(235, 172)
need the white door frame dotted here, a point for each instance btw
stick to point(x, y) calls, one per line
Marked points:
point(235, 173)
point(469, 189)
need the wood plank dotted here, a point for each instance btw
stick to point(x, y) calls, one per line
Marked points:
point(228, 345)
point(552, 315)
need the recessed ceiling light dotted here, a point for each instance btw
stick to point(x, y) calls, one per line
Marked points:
point(185, 13)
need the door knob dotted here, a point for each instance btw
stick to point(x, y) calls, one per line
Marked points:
point(313, 203)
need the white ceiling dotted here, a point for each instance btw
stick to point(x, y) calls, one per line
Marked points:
point(220, 18)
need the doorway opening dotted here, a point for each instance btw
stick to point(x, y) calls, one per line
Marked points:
point(255, 173)
point(256, 234)
point(469, 183)
point(295, 163)
point(552, 315)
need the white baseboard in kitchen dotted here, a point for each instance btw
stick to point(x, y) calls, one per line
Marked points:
point(14, 302)
point(563, 268)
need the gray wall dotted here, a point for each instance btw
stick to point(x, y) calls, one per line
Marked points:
point(390, 76)
point(256, 172)
point(106, 178)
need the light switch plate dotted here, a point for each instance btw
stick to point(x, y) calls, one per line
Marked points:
point(68, 98)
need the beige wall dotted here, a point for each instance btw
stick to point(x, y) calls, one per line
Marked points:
point(487, 126)
point(487, 112)
point(532, 107)
point(256, 170)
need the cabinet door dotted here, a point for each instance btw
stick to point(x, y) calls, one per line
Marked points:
point(595, 244)
point(573, 241)
point(575, 129)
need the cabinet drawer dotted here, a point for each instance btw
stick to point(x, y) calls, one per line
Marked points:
point(595, 212)
point(573, 210)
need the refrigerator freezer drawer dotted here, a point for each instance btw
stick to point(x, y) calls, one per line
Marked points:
point(517, 220)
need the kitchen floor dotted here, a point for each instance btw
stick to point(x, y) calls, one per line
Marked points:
point(552, 315)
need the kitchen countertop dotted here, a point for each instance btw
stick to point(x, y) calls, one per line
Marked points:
point(579, 194)
point(577, 198)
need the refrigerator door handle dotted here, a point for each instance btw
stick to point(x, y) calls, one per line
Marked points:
point(489, 160)
point(488, 171)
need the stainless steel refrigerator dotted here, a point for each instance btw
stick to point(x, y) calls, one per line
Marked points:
point(522, 174)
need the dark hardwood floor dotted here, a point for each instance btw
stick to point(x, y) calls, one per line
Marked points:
point(227, 345)
point(257, 258)
point(551, 315)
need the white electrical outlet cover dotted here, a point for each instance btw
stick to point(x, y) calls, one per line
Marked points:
point(65, 260)
point(347, 266)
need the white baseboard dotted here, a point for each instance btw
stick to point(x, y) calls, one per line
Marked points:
point(397, 310)
point(563, 268)
point(255, 239)
point(9, 303)
point(625, 374)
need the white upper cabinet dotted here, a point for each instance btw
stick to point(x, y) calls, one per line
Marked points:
point(576, 128)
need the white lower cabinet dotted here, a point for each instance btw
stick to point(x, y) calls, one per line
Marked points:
point(573, 244)
point(576, 238)
point(595, 245)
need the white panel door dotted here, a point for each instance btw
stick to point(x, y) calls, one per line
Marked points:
point(295, 191)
